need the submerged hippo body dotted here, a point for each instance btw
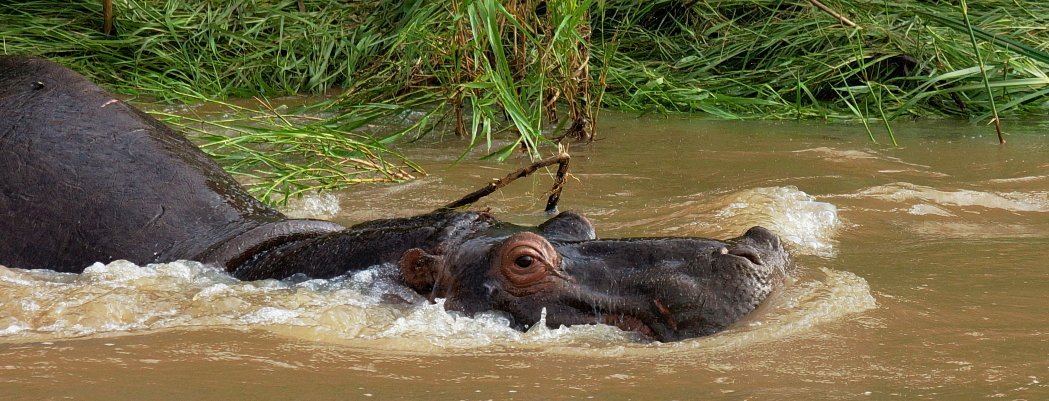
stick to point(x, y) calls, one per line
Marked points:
point(85, 178)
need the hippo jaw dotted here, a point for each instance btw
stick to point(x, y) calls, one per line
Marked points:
point(667, 289)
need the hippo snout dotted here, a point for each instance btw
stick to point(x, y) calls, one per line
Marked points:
point(711, 294)
point(762, 235)
point(758, 246)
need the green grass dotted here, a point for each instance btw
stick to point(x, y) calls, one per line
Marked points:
point(525, 73)
point(732, 59)
point(281, 154)
point(751, 59)
point(237, 48)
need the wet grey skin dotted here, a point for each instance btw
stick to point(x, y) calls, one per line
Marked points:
point(665, 288)
point(85, 178)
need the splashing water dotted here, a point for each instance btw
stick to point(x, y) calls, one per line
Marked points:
point(800, 307)
point(313, 205)
point(799, 219)
point(122, 297)
point(374, 307)
point(806, 224)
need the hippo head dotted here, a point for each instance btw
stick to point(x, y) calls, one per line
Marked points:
point(665, 288)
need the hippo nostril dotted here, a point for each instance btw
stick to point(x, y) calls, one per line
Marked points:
point(747, 254)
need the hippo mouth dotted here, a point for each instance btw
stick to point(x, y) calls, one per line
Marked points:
point(665, 327)
point(630, 324)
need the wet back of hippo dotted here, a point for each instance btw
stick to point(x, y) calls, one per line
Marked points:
point(86, 178)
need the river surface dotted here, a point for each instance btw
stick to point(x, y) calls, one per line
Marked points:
point(923, 273)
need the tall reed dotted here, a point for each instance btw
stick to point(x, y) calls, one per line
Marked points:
point(513, 75)
point(752, 59)
point(983, 73)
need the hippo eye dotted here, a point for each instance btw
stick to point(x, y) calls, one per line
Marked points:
point(524, 265)
point(524, 261)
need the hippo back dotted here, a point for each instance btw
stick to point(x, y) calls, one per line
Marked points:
point(86, 178)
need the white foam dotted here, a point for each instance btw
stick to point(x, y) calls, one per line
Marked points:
point(11, 327)
point(313, 205)
point(902, 192)
point(121, 297)
point(832, 154)
point(924, 209)
point(799, 308)
point(1025, 179)
point(851, 156)
point(799, 219)
point(270, 315)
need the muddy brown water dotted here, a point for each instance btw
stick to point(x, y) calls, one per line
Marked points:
point(923, 273)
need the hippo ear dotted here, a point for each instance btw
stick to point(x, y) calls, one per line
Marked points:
point(568, 226)
point(419, 269)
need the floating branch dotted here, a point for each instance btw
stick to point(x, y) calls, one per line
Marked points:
point(561, 159)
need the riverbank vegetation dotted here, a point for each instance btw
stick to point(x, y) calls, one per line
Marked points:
point(512, 75)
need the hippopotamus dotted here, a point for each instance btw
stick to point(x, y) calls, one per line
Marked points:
point(85, 178)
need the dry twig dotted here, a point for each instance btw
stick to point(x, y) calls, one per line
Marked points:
point(844, 21)
point(561, 159)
